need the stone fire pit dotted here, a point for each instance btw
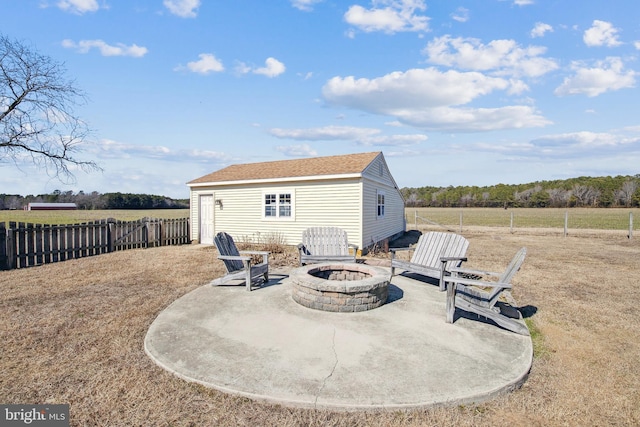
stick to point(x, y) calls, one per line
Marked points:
point(340, 287)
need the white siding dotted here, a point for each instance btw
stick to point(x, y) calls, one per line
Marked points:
point(378, 178)
point(316, 203)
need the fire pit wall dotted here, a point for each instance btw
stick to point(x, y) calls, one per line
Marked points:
point(339, 287)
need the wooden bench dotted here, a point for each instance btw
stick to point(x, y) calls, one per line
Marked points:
point(325, 244)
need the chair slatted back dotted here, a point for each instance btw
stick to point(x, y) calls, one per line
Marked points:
point(508, 274)
point(435, 244)
point(226, 246)
point(321, 241)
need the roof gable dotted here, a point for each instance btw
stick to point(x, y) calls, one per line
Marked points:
point(314, 166)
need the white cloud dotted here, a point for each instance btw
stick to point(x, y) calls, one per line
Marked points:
point(301, 150)
point(457, 119)
point(394, 140)
point(207, 63)
point(584, 144)
point(601, 33)
point(78, 7)
point(120, 49)
point(327, 133)
point(606, 75)
point(272, 68)
point(362, 136)
point(110, 149)
point(389, 16)
point(304, 5)
point(431, 99)
point(523, 2)
point(461, 14)
point(636, 44)
point(183, 8)
point(541, 29)
point(503, 57)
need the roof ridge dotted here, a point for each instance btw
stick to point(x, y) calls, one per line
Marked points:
point(289, 168)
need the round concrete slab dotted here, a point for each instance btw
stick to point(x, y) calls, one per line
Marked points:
point(263, 345)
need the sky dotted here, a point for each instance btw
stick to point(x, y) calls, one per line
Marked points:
point(453, 92)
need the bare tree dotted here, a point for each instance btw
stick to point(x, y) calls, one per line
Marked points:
point(625, 194)
point(584, 195)
point(37, 119)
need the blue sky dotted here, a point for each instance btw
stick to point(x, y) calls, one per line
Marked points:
point(466, 92)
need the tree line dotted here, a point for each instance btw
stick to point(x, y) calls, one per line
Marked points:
point(95, 200)
point(601, 192)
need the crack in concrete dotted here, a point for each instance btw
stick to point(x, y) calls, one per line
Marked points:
point(324, 382)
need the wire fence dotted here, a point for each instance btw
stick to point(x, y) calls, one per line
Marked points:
point(531, 220)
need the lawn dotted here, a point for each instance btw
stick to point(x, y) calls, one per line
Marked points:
point(72, 332)
point(518, 218)
point(80, 216)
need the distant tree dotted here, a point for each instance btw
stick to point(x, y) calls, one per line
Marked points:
point(626, 193)
point(37, 117)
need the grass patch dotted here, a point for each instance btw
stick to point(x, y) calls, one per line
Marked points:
point(80, 216)
point(578, 218)
point(540, 350)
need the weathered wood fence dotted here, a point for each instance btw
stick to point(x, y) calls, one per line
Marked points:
point(26, 245)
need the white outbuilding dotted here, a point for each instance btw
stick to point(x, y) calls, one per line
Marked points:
point(276, 201)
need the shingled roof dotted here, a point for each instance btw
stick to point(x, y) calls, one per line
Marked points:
point(315, 166)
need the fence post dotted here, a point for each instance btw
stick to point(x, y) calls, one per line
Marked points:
point(566, 222)
point(145, 232)
point(12, 259)
point(511, 223)
point(461, 220)
point(415, 219)
point(4, 261)
point(630, 225)
point(111, 235)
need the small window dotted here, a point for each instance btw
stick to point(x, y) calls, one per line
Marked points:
point(270, 205)
point(380, 204)
point(284, 205)
point(278, 205)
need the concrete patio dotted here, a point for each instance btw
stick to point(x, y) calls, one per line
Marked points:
point(403, 355)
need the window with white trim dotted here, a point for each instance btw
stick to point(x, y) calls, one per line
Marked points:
point(380, 203)
point(278, 205)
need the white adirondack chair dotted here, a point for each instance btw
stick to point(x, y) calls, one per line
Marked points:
point(435, 254)
point(238, 264)
point(324, 244)
point(482, 296)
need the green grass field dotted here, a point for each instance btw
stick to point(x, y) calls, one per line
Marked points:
point(80, 216)
point(577, 218)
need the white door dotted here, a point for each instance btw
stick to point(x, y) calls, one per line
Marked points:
point(206, 220)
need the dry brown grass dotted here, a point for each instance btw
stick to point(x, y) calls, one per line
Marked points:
point(73, 333)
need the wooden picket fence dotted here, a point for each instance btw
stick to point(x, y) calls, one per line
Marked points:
point(26, 245)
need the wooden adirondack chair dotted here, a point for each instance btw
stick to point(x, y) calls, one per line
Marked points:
point(238, 264)
point(324, 244)
point(435, 254)
point(482, 297)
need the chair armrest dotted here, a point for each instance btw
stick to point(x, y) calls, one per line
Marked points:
point(474, 271)
point(264, 254)
point(234, 257)
point(255, 252)
point(480, 283)
point(453, 258)
point(354, 246)
point(393, 250)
